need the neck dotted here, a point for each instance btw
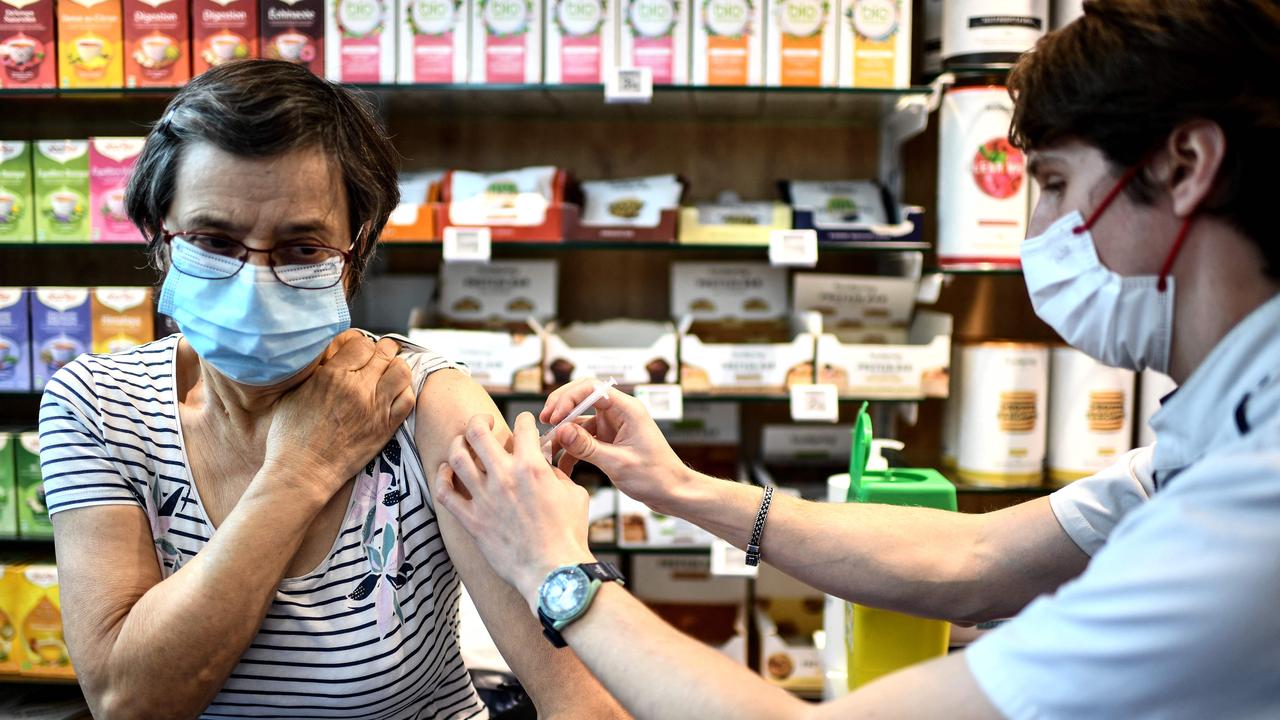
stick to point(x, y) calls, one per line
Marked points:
point(1218, 282)
point(243, 406)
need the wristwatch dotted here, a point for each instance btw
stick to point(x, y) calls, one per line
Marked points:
point(567, 593)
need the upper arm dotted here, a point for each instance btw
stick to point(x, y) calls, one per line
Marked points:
point(447, 401)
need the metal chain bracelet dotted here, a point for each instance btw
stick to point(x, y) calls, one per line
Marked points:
point(757, 532)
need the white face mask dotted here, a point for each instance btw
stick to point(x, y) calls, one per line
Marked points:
point(1125, 322)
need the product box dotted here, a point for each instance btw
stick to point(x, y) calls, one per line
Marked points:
point(801, 40)
point(503, 294)
point(28, 53)
point(916, 370)
point(506, 42)
point(434, 41)
point(111, 161)
point(90, 36)
point(641, 209)
point(655, 34)
point(293, 30)
point(157, 41)
point(61, 330)
point(728, 46)
point(602, 516)
point(521, 204)
point(707, 438)
point(683, 592)
point(787, 614)
point(633, 352)
point(727, 292)
point(854, 212)
point(858, 308)
point(123, 318)
point(39, 622)
point(10, 649)
point(641, 527)
point(33, 513)
point(361, 45)
point(15, 340)
point(62, 190)
point(413, 220)
point(732, 223)
point(17, 209)
point(501, 362)
point(222, 31)
point(750, 366)
point(8, 495)
point(581, 38)
point(875, 43)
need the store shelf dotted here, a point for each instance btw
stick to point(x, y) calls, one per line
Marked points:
point(28, 680)
point(647, 550)
point(1007, 271)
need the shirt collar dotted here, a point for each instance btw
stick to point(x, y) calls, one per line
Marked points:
point(1202, 414)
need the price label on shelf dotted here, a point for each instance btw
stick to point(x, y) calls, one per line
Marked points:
point(793, 248)
point(629, 85)
point(467, 244)
point(820, 403)
point(664, 402)
point(729, 561)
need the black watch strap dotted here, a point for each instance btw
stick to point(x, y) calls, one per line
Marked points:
point(603, 571)
point(550, 632)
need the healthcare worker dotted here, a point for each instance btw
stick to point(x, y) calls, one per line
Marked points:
point(1149, 590)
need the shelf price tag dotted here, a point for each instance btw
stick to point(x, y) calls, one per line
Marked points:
point(793, 248)
point(819, 403)
point(467, 244)
point(664, 402)
point(727, 560)
point(629, 85)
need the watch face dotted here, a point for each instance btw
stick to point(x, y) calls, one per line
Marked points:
point(564, 592)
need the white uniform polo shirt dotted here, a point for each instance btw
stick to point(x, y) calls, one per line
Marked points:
point(1178, 613)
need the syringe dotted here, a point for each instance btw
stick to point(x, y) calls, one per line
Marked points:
point(600, 392)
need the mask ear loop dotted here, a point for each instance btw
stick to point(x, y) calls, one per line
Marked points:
point(1112, 194)
point(1162, 283)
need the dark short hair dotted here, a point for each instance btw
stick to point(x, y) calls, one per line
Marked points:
point(262, 108)
point(1129, 72)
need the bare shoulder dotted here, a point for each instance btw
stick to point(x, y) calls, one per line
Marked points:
point(449, 399)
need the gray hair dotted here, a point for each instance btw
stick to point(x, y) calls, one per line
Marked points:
point(262, 108)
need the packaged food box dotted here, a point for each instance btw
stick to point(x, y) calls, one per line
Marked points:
point(750, 366)
point(33, 512)
point(62, 190)
point(293, 30)
point(28, 52)
point(864, 309)
point(633, 352)
point(655, 34)
point(8, 494)
point(90, 35)
point(708, 438)
point(581, 39)
point(728, 42)
point(361, 45)
point(788, 613)
point(111, 161)
point(501, 362)
point(157, 41)
point(522, 204)
point(732, 223)
point(15, 340)
point(39, 622)
point(875, 44)
point(641, 527)
point(501, 294)
point(123, 318)
point(61, 329)
point(434, 42)
point(602, 517)
point(916, 370)
point(801, 41)
point(854, 211)
point(631, 209)
point(17, 206)
point(728, 292)
point(413, 220)
point(222, 31)
point(684, 593)
point(506, 42)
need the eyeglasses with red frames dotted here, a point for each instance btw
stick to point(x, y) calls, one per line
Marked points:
point(304, 265)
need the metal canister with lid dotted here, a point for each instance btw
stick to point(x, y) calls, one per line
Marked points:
point(990, 33)
point(1003, 418)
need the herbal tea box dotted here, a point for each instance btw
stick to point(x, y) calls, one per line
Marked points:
point(90, 34)
point(62, 190)
point(44, 647)
point(122, 318)
point(727, 42)
point(293, 30)
point(361, 41)
point(433, 44)
point(28, 52)
point(157, 41)
point(655, 34)
point(580, 41)
point(33, 513)
point(222, 31)
point(875, 44)
point(111, 161)
point(801, 40)
point(61, 330)
point(17, 211)
point(8, 497)
point(506, 41)
point(15, 340)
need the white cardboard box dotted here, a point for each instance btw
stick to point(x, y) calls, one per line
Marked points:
point(916, 370)
point(655, 34)
point(499, 361)
point(581, 41)
point(434, 41)
point(682, 590)
point(506, 42)
point(875, 43)
point(728, 42)
point(728, 291)
point(788, 613)
point(855, 301)
point(801, 41)
point(749, 367)
point(501, 292)
point(360, 45)
point(633, 352)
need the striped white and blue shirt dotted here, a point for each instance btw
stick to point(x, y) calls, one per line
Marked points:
point(372, 632)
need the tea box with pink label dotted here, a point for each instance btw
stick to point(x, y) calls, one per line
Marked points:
point(62, 190)
point(506, 41)
point(61, 330)
point(157, 43)
point(434, 41)
point(361, 44)
point(655, 34)
point(581, 37)
point(28, 53)
point(293, 30)
point(111, 161)
point(222, 31)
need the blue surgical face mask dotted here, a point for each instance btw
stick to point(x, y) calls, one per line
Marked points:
point(251, 327)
